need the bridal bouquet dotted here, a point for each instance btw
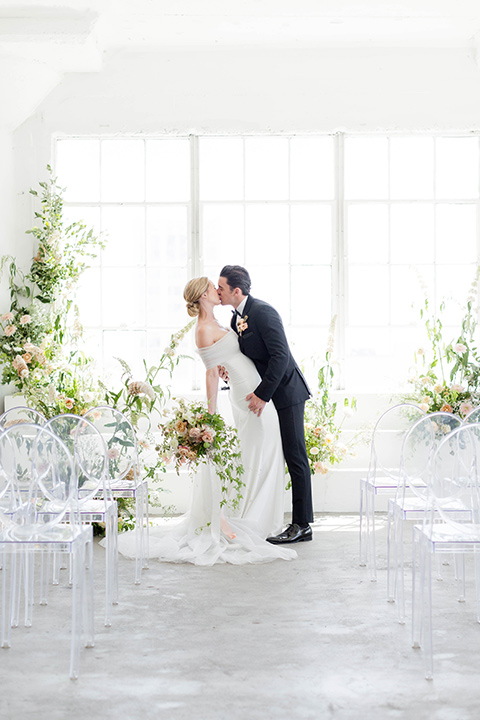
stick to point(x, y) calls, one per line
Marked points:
point(192, 435)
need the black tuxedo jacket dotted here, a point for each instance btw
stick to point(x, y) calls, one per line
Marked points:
point(264, 341)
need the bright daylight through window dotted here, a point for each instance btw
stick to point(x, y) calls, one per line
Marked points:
point(351, 226)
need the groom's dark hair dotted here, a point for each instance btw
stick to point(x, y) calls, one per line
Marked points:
point(237, 276)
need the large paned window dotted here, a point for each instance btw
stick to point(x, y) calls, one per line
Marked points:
point(351, 226)
point(411, 228)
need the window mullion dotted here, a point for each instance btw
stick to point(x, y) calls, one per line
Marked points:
point(339, 259)
point(195, 261)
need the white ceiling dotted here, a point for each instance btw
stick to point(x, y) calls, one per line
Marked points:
point(40, 40)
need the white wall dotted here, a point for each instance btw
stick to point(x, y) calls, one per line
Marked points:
point(250, 90)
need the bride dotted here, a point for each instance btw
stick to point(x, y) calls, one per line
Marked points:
point(204, 536)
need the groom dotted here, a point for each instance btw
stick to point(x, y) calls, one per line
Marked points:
point(262, 338)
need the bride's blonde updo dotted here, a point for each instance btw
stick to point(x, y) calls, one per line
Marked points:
point(194, 290)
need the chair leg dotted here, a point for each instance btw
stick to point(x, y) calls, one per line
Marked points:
point(16, 589)
point(44, 576)
point(391, 545)
point(87, 597)
point(371, 546)
point(362, 544)
point(427, 612)
point(416, 593)
point(29, 568)
point(460, 575)
point(6, 620)
point(146, 536)
point(138, 535)
point(400, 570)
point(77, 569)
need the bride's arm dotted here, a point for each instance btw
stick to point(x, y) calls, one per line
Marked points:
point(212, 389)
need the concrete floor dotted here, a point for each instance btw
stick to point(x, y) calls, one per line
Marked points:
point(312, 638)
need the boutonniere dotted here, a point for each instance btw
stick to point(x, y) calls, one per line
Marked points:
point(242, 324)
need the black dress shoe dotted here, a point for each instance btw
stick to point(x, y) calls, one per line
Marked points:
point(294, 533)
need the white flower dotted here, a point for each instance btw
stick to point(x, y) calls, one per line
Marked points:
point(424, 407)
point(460, 348)
point(25, 319)
point(7, 317)
point(426, 380)
point(420, 351)
point(438, 387)
point(9, 330)
point(457, 388)
point(314, 450)
point(24, 373)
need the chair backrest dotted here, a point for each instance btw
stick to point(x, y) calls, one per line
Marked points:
point(21, 414)
point(119, 436)
point(41, 476)
point(418, 449)
point(456, 477)
point(473, 416)
point(87, 446)
point(388, 436)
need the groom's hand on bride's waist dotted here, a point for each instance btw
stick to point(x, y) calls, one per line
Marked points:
point(255, 404)
point(223, 373)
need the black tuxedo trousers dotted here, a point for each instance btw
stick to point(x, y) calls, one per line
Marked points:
point(293, 442)
point(263, 340)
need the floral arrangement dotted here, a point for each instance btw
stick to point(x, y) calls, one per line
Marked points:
point(193, 435)
point(39, 346)
point(448, 378)
point(322, 431)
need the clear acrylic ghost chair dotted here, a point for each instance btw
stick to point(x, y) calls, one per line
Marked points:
point(88, 448)
point(411, 499)
point(124, 471)
point(15, 502)
point(455, 482)
point(473, 416)
point(383, 473)
point(21, 414)
point(34, 523)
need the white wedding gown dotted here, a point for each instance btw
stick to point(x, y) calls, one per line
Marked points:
point(197, 536)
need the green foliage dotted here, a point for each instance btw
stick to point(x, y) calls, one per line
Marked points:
point(322, 430)
point(447, 375)
point(39, 347)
